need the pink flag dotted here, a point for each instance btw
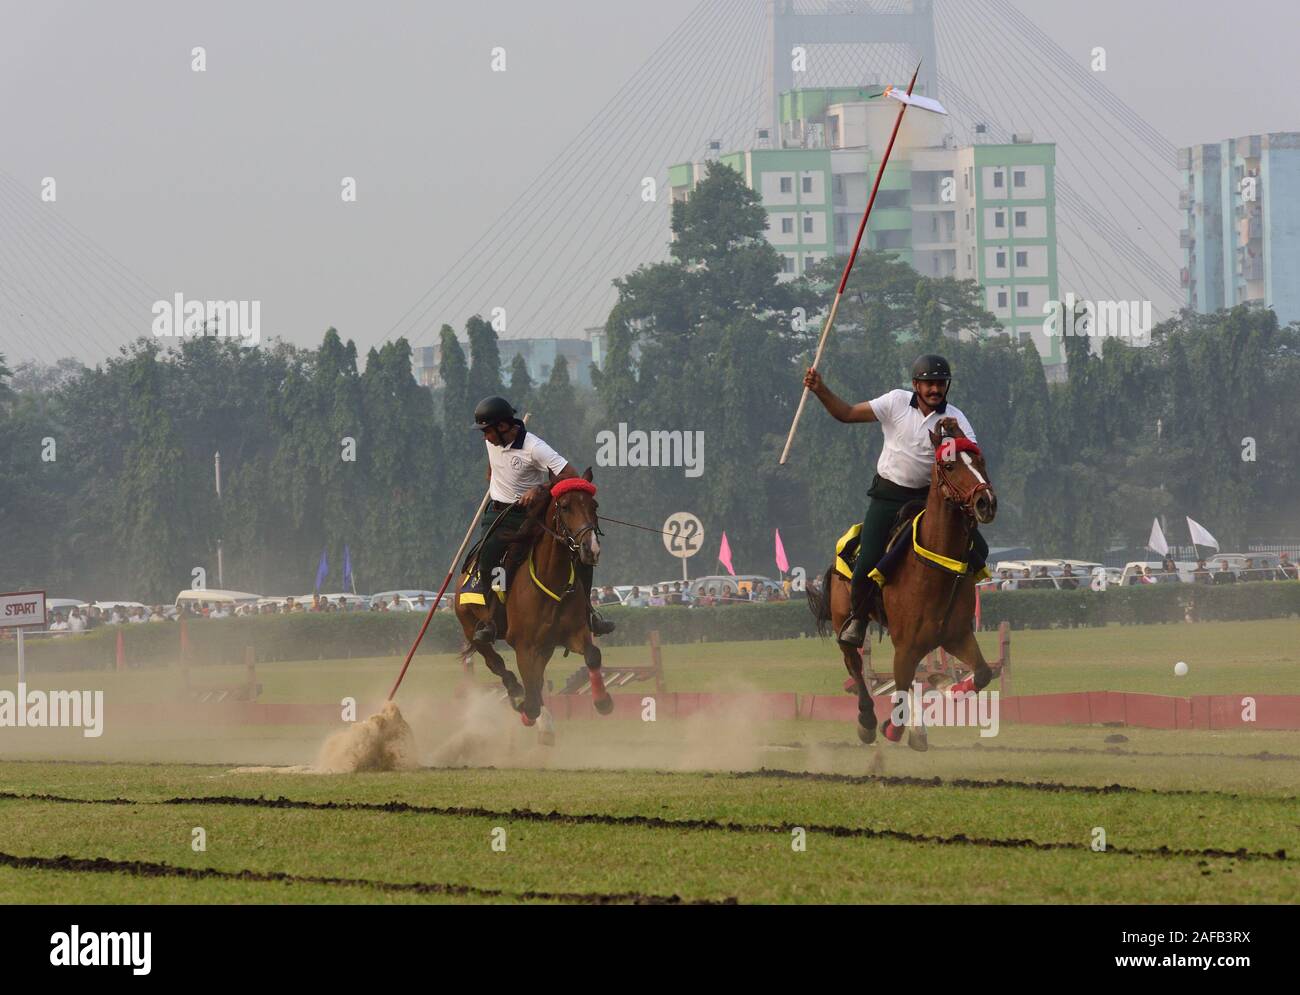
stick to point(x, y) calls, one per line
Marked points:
point(782, 563)
point(724, 555)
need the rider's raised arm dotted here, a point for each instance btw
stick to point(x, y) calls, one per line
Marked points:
point(840, 409)
point(862, 411)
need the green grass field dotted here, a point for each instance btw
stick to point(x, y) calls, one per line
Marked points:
point(700, 809)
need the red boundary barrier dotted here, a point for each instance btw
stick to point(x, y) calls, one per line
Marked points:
point(1150, 711)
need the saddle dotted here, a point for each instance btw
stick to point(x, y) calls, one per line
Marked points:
point(846, 555)
point(472, 592)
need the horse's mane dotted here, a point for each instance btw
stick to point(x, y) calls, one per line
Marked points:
point(950, 427)
point(527, 533)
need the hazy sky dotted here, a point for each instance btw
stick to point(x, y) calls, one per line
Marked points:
point(226, 183)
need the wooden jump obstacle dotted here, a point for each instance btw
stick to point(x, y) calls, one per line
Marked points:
point(617, 677)
point(248, 690)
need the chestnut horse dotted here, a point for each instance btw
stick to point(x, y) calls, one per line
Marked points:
point(546, 606)
point(926, 607)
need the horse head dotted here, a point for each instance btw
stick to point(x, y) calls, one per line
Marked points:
point(962, 475)
point(573, 516)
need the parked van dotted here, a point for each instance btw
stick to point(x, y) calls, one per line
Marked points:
point(192, 599)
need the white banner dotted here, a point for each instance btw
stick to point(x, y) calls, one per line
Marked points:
point(1200, 536)
point(22, 608)
point(1157, 541)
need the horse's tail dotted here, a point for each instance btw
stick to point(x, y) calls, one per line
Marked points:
point(819, 602)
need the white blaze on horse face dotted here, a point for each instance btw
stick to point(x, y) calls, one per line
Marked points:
point(593, 545)
point(966, 457)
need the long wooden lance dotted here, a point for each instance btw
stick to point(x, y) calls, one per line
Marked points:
point(848, 266)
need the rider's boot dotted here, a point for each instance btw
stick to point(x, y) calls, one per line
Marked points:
point(600, 626)
point(854, 630)
point(486, 630)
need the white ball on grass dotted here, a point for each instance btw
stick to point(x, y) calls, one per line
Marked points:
point(1180, 669)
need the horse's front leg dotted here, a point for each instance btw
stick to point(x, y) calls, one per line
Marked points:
point(907, 654)
point(966, 648)
point(532, 668)
point(497, 664)
point(581, 642)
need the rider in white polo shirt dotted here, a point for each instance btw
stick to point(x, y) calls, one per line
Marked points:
point(903, 470)
point(518, 462)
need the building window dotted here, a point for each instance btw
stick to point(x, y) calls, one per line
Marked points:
point(787, 264)
point(1022, 298)
point(787, 226)
point(965, 180)
point(1018, 178)
point(999, 219)
point(1001, 259)
point(787, 184)
point(807, 224)
point(1022, 218)
point(1002, 298)
point(807, 184)
point(968, 263)
point(997, 180)
point(837, 184)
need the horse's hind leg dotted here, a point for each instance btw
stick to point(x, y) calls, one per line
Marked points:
point(866, 708)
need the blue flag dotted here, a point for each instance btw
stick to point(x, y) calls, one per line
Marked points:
point(322, 571)
point(347, 568)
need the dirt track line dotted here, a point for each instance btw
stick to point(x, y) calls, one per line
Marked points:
point(145, 868)
point(1112, 751)
point(887, 780)
point(657, 822)
point(898, 780)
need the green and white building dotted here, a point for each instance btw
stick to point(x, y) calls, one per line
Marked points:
point(984, 212)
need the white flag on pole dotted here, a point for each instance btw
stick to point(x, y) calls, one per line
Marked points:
point(1157, 541)
point(1200, 536)
point(915, 100)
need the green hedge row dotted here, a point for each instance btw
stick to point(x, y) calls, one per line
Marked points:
point(1151, 604)
point(333, 636)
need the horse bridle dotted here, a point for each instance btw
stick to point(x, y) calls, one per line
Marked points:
point(571, 540)
point(964, 499)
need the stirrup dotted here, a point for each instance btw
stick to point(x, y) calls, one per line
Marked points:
point(853, 632)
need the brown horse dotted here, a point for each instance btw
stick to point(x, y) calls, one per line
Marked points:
point(546, 606)
point(926, 607)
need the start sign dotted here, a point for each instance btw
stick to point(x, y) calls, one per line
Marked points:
point(22, 608)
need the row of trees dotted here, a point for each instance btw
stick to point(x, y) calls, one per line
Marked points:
point(106, 476)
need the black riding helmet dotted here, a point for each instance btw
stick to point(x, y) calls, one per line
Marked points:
point(492, 410)
point(931, 367)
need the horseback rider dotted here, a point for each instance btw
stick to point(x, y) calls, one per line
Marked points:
point(902, 472)
point(518, 462)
